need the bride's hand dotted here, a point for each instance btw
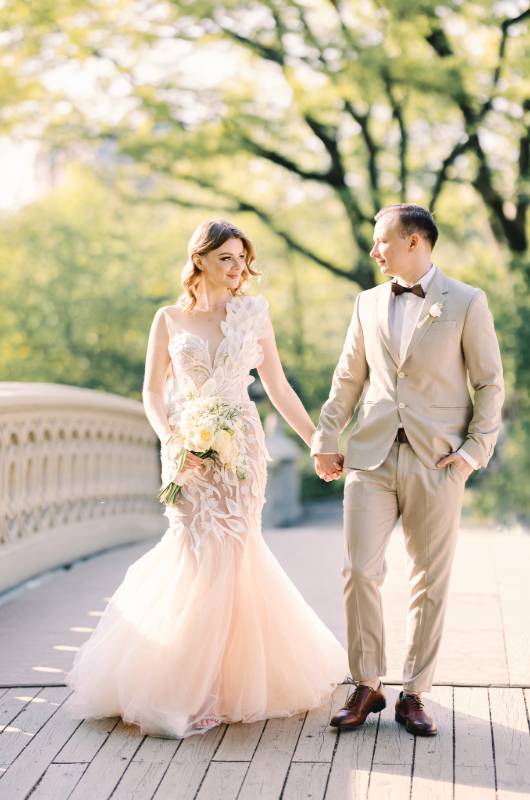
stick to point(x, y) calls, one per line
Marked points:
point(170, 455)
point(329, 466)
point(181, 478)
point(192, 461)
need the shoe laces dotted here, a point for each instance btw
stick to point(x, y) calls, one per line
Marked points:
point(355, 694)
point(415, 701)
point(353, 697)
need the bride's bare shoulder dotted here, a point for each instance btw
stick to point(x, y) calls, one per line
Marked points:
point(169, 316)
point(167, 321)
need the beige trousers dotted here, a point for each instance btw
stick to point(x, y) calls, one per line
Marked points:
point(429, 502)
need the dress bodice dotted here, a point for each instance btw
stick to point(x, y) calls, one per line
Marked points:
point(239, 352)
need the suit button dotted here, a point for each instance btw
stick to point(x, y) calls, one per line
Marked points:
point(401, 374)
point(402, 405)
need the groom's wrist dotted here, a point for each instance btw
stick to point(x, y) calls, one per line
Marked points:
point(470, 460)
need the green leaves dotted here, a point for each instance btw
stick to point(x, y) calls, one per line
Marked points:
point(341, 108)
point(81, 277)
point(181, 459)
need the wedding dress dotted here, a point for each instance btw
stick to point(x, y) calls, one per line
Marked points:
point(207, 625)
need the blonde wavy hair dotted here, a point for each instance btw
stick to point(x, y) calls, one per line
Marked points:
point(210, 235)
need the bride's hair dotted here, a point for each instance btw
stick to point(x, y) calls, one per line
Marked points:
point(211, 234)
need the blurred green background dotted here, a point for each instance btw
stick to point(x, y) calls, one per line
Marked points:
point(296, 120)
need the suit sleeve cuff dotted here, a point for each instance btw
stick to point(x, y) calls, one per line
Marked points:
point(470, 460)
point(324, 444)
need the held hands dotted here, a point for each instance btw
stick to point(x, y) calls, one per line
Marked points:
point(460, 463)
point(329, 466)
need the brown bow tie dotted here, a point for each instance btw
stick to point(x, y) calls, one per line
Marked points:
point(417, 290)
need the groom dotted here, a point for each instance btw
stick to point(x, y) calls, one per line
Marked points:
point(413, 347)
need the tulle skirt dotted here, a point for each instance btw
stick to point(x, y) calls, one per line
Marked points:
point(225, 636)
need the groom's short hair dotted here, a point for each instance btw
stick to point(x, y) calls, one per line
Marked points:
point(413, 219)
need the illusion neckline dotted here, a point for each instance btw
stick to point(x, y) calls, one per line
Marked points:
point(211, 362)
point(204, 344)
point(206, 348)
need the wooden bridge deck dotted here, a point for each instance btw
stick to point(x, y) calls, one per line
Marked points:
point(482, 751)
point(481, 703)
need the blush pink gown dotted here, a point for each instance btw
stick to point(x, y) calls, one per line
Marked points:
point(207, 624)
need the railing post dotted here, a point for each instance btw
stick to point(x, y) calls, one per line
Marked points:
point(283, 492)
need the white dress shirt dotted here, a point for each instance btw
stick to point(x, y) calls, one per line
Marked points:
point(405, 310)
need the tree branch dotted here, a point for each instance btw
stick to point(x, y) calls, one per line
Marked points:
point(270, 54)
point(483, 183)
point(338, 183)
point(359, 275)
point(506, 25)
point(286, 163)
point(373, 150)
point(438, 41)
point(334, 177)
point(441, 177)
point(523, 195)
point(397, 113)
point(313, 40)
point(356, 275)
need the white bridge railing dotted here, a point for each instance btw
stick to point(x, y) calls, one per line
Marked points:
point(79, 472)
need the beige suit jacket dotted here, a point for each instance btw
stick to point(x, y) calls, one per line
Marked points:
point(428, 392)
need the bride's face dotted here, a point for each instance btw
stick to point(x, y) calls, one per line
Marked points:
point(223, 267)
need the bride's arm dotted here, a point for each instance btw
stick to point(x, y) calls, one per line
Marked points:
point(156, 370)
point(283, 396)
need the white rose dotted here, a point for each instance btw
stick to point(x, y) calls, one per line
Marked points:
point(434, 311)
point(223, 445)
point(186, 427)
point(203, 438)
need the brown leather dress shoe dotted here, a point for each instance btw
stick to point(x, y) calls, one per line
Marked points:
point(411, 713)
point(362, 702)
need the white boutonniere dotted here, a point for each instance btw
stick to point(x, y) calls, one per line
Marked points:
point(434, 311)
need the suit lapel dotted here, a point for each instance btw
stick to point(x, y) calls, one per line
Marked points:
point(436, 292)
point(383, 319)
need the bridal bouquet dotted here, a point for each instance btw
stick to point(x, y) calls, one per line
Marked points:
point(209, 427)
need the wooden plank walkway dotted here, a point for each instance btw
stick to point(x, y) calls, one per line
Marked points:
point(487, 634)
point(482, 751)
point(481, 702)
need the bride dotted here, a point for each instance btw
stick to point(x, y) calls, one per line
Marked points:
point(206, 628)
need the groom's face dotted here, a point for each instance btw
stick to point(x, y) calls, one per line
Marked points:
point(391, 249)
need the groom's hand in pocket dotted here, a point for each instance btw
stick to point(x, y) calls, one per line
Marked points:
point(328, 466)
point(460, 463)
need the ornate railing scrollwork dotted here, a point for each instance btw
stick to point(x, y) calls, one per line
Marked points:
point(79, 471)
